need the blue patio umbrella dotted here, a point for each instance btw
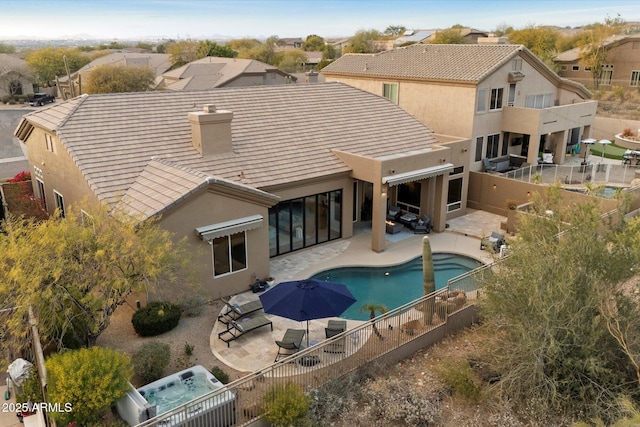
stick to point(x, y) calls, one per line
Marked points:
point(307, 300)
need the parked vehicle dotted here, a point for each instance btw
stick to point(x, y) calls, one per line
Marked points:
point(41, 99)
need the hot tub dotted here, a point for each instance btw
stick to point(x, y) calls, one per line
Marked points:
point(176, 392)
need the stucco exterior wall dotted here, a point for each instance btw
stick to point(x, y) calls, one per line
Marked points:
point(209, 208)
point(59, 171)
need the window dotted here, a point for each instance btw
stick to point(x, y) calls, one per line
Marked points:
point(59, 203)
point(635, 78)
point(493, 142)
point(479, 144)
point(41, 193)
point(409, 196)
point(49, 142)
point(454, 196)
point(575, 68)
point(606, 75)
point(539, 101)
point(512, 95)
point(457, 170)
point(517, 64)
point(229, 254)
point(496, 99)
point(481, 101)
point(390, 91)
point(304, 222)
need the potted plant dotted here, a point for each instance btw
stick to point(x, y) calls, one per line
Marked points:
point(270, 280)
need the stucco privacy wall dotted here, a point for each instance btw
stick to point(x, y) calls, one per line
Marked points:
point(607, 128)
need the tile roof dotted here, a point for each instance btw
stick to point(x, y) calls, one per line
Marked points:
point(456, 62)
point(611, 41)
point(281, 134)
point(212, 72)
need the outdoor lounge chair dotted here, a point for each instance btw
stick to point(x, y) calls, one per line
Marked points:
point(495, 240)
point(237, 329)
point(423, 225)
point(394, 213)
point(235, 312)
point(335, 327)
point(290, 344)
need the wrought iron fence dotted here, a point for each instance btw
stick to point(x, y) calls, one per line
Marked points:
point(330, 359)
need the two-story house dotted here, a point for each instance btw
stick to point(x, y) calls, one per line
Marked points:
point(247, 173)
point(502, 97)
point(620, 68)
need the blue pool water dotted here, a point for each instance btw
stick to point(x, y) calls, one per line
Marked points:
point(396, 285)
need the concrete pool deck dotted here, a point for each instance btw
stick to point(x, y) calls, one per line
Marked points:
point(257, 349)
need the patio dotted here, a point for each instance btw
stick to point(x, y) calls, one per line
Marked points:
point(257, 349)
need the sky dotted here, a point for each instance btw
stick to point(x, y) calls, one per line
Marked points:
point(218, 19)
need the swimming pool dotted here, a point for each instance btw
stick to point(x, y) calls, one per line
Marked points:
point(607, 191)
point(396, 285)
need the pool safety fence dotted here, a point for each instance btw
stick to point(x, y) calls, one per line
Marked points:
point(427, 319)
point(575, 174)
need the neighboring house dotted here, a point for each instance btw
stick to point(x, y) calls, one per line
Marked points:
point(214, 72)
point(502, 97)
point(246, 174)
point(158, 62)
point(622, 66)
point(15, 77)
point(290, 42)
point(412, 37)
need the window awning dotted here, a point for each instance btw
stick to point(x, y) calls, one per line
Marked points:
point(227, 228)
point(416, 175)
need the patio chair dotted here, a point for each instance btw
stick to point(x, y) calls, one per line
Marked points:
point(335, 327)
point(235, 311)
point(423, 225)
point(488, 167)
point(238, 329)
point(495, 240)
point(291, 343)
point(394, 213)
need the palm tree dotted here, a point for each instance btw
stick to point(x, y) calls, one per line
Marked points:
point(373, 309)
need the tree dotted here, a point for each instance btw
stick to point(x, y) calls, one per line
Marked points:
point(503, 29)
point(290, 61)
point(87, 382)
point(593, 49)
point(329, 52)
point(49, 63)
point(242, 45)
point(449, 36)
point(75, 271)
point(554, 350)
point(7, 48)
point(313, 43)
point(395, 30)
point(541, 41)
point(118, 79)
point(264, 52)
point(363, 42)
point(183, 51)
point(209, 48)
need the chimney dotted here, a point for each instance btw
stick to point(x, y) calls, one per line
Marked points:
point(211, 130)
point(312, 77)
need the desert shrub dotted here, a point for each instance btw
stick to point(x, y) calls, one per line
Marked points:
point(150, 360)
point(32, 391)
point(285, 405)
point(460, 378)
point(156, 318)
point(89, 381)
point(221, 375)
point(194, 305)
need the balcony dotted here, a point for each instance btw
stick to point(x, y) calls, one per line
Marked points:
point(534, 121)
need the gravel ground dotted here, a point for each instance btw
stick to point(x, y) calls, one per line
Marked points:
point(195, 331)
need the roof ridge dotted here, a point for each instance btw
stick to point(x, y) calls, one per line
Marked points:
point(81, 101)
point(176, 165)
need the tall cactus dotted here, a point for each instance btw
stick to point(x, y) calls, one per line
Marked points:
point(428, 280)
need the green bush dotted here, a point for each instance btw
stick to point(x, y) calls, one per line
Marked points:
point(285, 405)
point(221, 375)
point(156, 318)
point(461, 379)
point(150, 360)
